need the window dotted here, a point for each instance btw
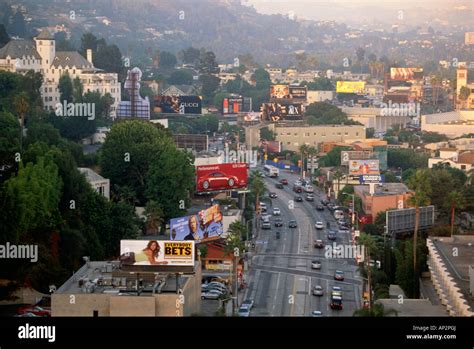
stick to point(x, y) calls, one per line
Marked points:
point(306, 134)
point(101, 190)
point(50, 98)
point(74, 71)
point(323, 134)
point(288, 143)
point(52, 70)
point(50, 89)
point(41, 42)
point(296, 144)
point(339, 133)
point(45, 89)
point(315, 134)
point(296, 134)
point(463, 167)
point(357, 134)
point(346, 133)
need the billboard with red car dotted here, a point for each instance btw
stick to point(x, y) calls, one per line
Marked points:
point(221, 176)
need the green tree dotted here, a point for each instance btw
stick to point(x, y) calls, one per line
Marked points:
point(262, 79)
point(321, 84)
point(207, 63)
point(266, 134)
point(180, 77)
point(167, 60)
point(378, 310)
point(333, 157)
point(190, 55)
point(4, 38)
point(154, 217)
point(209, 85)
point(66, 88)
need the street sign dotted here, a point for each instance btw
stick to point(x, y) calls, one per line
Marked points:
point(243, 191)
point(366, 179)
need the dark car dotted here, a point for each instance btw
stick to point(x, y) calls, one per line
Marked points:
point(320, 207)
point(292, 224)
point(279, 186)
point(298, 199)
point(319, 244)
point(330, 207)
point(277, 234)
point(339, 275)
point(273, 195)
point(278, 222)
point(324, 202)
point(336, 303)
point(284, 181)
point(331, 235)
point(297, 189)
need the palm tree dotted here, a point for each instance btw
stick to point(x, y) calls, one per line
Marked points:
point(420, 183)
point(312, 151)
point(368, 242)
point(455, 200)
point(435, 83)
point(154, 217)
point(338, 175)
point(464, 94)
point(257, 188)
point(303, 151)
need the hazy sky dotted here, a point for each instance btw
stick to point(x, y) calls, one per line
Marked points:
point(359, 10)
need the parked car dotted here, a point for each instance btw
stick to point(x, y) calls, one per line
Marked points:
point(278, 222)
point(298, 199)
point(315, 265)
point(319, 244)
point(318, 290)
point(273, 195)
point(309, 197)
point(35, 310)
point(320, 207)
point(308, 188)
point(279, 186)
point(319, 225)
point(276, 211)
point(330, 207)
point(292, 224)
point(324, 202)
point(284, 181)
point(339, 275)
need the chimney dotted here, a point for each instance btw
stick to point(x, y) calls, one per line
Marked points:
point(89, 55)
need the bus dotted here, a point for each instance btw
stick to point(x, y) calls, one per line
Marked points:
point(271, 171)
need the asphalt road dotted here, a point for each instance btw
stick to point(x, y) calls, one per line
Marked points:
point(281, 278)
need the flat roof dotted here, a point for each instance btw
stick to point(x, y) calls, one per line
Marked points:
point(458, 264)
point(101, 277)
point(413, 307)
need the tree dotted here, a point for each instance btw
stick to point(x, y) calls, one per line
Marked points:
point(261, 78)
point(4, 38)
point(18, 26)
point(327, 114)
point(333, 157)
point(167, 60)
point(66, 89)
point(207, 63)
point(422, 190)
point(368, 243)
point(266, 134)
point(369, 132)
point(321, 84)
point(303, 149)
point(154, 217)
point(377, 310)
point(455, 200)
point(180, 77)
point(257, 188)
point(209, 84)
point(88, 41)
point(464, 94)
point(337, 176)
point(9, 143)
point(190, 55)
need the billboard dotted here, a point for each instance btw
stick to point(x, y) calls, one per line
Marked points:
point(347, 155)
point(271, 146)
point(153, 253)
point(282, 111)
point(350, 87)
point(406, 74)
point(362, 167)
point(403, 220)
point(252, 117)
point(298, 93)
point(221, 176)
point(368, 178)
point(205, 225)
point(196, 142)
point(279, 92)
point(178, 104)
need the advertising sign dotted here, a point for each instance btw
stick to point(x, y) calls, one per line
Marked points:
point(362, 167)
point(299, 93)
point(232, 105)
point(206, 225)
point(221, 176)
point(282, 111)
point(279, 91)
point(347, 155)
point(156, 253)
point(350, 87)
point(403, 220)
point(271, 146)
point(366, 179)
point(178, 104)
point(406, 74)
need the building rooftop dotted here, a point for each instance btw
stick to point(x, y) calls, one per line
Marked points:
point(466, 157)
point(413, 307)
point(18, 49)
point(91, 175)
point(385, 189)
point(458, 263)
point(71, 59)
point(45, 34)
point(105, 277)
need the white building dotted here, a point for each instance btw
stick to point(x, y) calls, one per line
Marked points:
point(97, 182)
point(40, 55)
point(453, 124)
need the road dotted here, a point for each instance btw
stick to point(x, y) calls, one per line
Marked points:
point(281, 278)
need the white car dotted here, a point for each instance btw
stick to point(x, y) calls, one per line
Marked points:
point(316, 265)
point(244, 312)
point(308, 188)
point(276, 211)
point(318, 290)
point(316, 313)
point(210, 295)
point(298, 183)
point(319, 225)
point(248, 303)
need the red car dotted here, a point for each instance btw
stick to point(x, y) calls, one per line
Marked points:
point(36, 310)
point(284, 181)
point(218, 180)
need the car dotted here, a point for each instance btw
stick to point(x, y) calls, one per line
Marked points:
point(336, 292)
point(319, 225)
point(217, 180)
point(318, 290)
point(210, 295)
point(298, 183)
point(336, 303)
point(330, 207)
point(319, 244)
point(292, 224)
point(332, 235)
point(266, 225)
point(320, 207)
point(284, 181)
point(343, 229)
point(216, 284)
point(273, 195)
point(309, 197)
point(278, 222)
point(276, 211)
point(308, 188)
point(324, 202)
point(215, 289)
point(279, 186)
point(315, 265)
point(339, 275)
point(316, 313)
point(277, 235)
point(297, 189)
point(35, 310)
point(298, 199)
point(248, 303)
point(265, 217)
point(243, 312)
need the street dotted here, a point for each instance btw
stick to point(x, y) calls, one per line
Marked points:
point(281, 278)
